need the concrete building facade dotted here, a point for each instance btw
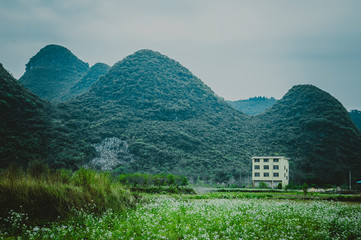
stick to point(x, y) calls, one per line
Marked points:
point(270, 170)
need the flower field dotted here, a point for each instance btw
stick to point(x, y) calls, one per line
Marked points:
point(170, 218)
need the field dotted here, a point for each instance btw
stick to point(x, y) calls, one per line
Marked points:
point(166, 217)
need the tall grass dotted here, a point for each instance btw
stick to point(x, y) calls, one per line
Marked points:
point(44, 194)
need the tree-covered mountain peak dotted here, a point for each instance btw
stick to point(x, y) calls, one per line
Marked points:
point(150, 80)
point(52, 72)
point(310, 101)
point(56, 56)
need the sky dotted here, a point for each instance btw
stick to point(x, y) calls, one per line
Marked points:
point(239, 48)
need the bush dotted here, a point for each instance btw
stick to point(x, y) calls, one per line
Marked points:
point(144, 180)
point(262, 185)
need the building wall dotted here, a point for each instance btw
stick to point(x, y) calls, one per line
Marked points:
point(271, 170)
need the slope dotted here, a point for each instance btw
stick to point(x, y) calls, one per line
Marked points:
point(22, 122)
point(83, 85)
point(315, 131)
point(52, 72)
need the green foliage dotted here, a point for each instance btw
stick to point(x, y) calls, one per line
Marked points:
point(305, 188)
point(144, 180)
point(263, 185)
point(279, 186)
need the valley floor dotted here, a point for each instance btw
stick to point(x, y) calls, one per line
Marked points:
point(181, 217)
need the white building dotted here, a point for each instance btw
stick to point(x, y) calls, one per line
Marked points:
point(270, 170)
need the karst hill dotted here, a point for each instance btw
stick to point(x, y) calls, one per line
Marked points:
point(148, 113)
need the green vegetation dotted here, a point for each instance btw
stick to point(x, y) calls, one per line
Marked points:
point(144, 180)
point(169, 218)
point(52, 72)
point(23, 122)
point(42, 194)
point(253, 106)
point(167, 120)
point(83, 85)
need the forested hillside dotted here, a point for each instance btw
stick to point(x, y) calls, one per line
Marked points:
point(148, 113)
point(83, 85)
point(161, 118)
point(23, 122)
point(253, 106)
point(315, 131)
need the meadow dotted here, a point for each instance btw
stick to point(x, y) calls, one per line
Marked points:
point(41, 203)
point(166, 217)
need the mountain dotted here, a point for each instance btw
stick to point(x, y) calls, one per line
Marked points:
point(22, 122)
point(315, 131)
point(149, 113)
point(356, 118)
point(52, 72)
point(253, 106)
point(83, 85)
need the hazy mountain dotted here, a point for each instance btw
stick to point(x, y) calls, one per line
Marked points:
point(356, 118)
point(315, 131)
point(253, 106)
point(52, 72)
point(83, 85)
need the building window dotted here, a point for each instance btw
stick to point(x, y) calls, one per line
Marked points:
point(265, 160)
point(256, 167)
point(265, 167)
point(275, 167)
point(256, 174)
point(285, 174)
point(265, 174)
point(275, 160)
point(256, 160)
point(275, 174)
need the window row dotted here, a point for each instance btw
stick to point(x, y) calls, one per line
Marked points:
point(257, 174)
point(266, 167)
point(266, 160)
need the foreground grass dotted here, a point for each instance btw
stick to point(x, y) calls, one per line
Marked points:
point(39, 196)
point(170, 218)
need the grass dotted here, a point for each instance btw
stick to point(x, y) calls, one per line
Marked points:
point(171, 218)
point(39, 195)
point(58, 204)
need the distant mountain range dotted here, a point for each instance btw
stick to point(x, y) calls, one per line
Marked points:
point(150, 114)
point(253, 106)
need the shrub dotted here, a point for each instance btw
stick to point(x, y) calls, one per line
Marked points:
point(262, 185)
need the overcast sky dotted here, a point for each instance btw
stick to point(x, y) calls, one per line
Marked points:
point(240, 49)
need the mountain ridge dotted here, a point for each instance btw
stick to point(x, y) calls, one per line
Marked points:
point(148, 113)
